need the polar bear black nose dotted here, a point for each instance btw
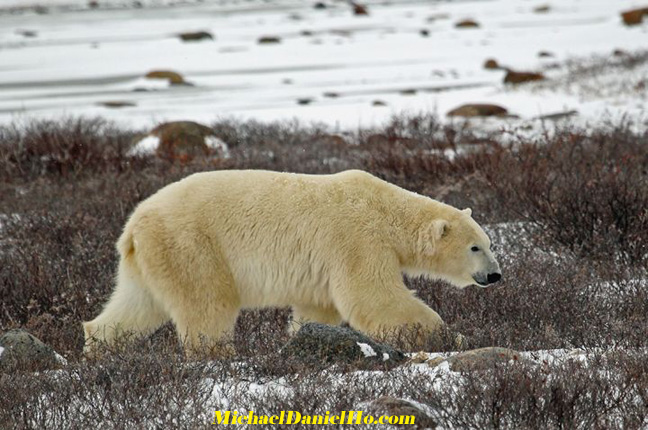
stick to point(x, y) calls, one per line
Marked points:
point(494, 277)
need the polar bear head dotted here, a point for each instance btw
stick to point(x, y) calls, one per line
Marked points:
point(456, 249)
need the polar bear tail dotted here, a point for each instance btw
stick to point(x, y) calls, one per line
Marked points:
point(126, 242)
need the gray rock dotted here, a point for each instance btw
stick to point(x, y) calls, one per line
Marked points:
point(23, 351)
point(416, 415)
point(484, 358)
point(321, 345)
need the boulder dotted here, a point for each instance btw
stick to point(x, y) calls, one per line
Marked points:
point(513, 77)
point(467, 23)
point(542, 8)
point(478, 109)
point(20, 350)
point(116, 104)
point(634, 16)
point(321, 345)
point(360, 9)
point(483, 359)
point(182, 140)
point(195, 36)
point(174, 78)
point(393, 406)
point(268, 40)
point(491, 64)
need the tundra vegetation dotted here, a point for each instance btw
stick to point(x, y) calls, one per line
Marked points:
point(567, 211)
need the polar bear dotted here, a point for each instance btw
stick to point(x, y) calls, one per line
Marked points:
point(332, 247)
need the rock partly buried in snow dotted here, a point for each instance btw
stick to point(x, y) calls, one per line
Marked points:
point(117, 104)
point(491, 64)
point(483, 359)
point(196, 36)
point(360, 9)
point(467, 23)
point(20, 350)
point(415, 414)
point(181, 140)
point(320, 345)
point(268, 40)
point(513, 77)
point(478, 109)
point(174, 78)
point(542, 8)
point(634, 16)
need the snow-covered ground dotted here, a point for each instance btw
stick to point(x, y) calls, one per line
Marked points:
point(70, 59)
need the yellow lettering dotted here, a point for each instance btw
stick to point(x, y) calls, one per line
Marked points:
point(358, 417)
point(272, 419)
point(218, 417)
point(290, 416)
point(405, 419)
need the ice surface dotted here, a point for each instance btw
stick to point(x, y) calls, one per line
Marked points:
point(74, 60)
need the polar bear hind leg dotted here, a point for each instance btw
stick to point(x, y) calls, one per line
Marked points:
point(131, 309)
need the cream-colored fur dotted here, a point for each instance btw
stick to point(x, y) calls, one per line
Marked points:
point(333, 247)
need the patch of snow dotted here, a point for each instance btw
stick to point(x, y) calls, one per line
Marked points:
point(215, 143)
point(1, 350)
point(367, 350)
point(146, 146)
point(380, 57)
point(385, 356)
point(58, 357)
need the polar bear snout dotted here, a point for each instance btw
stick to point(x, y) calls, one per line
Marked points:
point(485, 279)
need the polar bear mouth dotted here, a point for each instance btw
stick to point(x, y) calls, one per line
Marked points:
point(480, 283)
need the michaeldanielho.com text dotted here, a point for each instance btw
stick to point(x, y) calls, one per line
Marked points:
point(294, 417)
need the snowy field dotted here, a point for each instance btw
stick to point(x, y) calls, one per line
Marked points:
point(330, 66)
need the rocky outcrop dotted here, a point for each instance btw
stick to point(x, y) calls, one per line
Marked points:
point(491, 64)
point(478, 109)
point(320, 345)
point(182, 140)
point(174, 78)
point(196, 36)
point(415, 413)
point(268, 40)
point(634, 16)
point(21, 351)
point(513, 77)
point(482, 359)
point(467, 23)
point(360, 9)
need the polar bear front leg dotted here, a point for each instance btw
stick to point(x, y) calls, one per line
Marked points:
point(303, 314)
point(383, 307)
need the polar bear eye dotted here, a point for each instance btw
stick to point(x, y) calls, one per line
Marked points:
point(475, 249)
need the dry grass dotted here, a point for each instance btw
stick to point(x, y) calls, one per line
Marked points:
point(572, 279)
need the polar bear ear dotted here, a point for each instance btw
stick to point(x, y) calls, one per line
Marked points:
point(432, 235)
point(467, 211)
